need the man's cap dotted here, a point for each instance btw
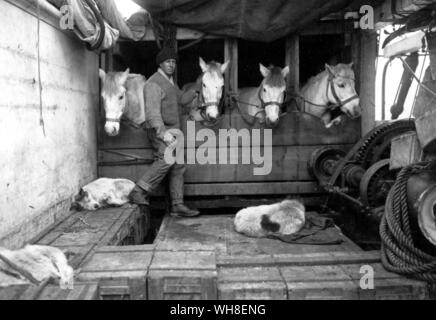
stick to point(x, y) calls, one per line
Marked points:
point(165, 54)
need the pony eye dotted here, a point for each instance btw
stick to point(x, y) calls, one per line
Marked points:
point(121, 97)
point(341, 85)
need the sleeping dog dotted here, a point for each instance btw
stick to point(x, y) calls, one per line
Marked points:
point(102, 193)
point(285, 218)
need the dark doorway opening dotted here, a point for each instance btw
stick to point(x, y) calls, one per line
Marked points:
point(316, 51)
point(252, 53)
point(189, 68)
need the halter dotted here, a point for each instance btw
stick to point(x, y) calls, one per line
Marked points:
point(202, 105)
point(262, 107)
point(330, 85)
point(113, 120)
point(339, 102)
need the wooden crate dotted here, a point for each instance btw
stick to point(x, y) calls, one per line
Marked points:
point(15, 289)
point(251, 283)
point(338, 276)
point(82, 232)
point(80, 291)
point(121, 271)
point(187, 275)
point(387, 285)
point(10, 287)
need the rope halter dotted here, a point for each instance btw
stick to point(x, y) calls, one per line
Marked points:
point(202, 105)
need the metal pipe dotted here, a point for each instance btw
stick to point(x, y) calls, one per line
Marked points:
point(385, 71)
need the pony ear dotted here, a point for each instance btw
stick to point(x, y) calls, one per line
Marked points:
point(225, 66)
point(351, 64)
point(329, 69)
point(264, 70)
point(285, 72)
point(203, 65)
point(124, 76)
point(102, 74)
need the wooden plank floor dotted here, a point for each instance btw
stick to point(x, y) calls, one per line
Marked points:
point(217, 232)
point(249, 268)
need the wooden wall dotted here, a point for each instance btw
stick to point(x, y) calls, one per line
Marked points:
point(294, 140)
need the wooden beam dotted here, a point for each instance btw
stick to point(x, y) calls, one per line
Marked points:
point(182, 34)
point(326, 27)
point(231, 76)
point(356, 56)
point(369, 50)
point(270, 188)
point(293, 61)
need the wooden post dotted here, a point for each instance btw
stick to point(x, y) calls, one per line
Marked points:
point(356, 58)
point(293, 61)
point(369, 52)
point(231, 76)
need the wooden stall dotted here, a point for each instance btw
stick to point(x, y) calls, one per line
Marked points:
point(293, 141)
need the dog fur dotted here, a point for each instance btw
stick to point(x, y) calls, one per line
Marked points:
point(102, 193)
point(42, 262)
point(285, 218)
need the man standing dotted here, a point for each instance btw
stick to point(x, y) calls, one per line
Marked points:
point(162, 98)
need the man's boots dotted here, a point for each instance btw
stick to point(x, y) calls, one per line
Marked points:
point(180, 210)
point(139, 197)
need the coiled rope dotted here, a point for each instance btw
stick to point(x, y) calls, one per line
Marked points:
point(398, 251)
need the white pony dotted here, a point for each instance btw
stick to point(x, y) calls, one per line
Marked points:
point(281, 219)
point(208, 92)
point(123, 97)
point(330, 90)
point(265, 102)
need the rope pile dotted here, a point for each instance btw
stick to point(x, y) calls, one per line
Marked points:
point(398, 251)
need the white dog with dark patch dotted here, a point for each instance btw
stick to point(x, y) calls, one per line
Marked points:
point(285, 218)
point(36, 264)
point(102, 193)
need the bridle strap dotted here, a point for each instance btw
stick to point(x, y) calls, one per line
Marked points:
point(113, 120)
point(202, 105)
point(264, 104)
point(339, 102)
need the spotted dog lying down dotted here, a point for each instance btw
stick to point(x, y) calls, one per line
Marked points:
point(102, 193)
point(285, 218)
point(36, 264)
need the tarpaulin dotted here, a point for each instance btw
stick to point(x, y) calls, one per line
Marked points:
point(88, 28)
point(259, 20)
point(86, 24)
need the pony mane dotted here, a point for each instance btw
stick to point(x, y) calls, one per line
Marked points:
point(112, 81)
point(344, 70)
point(275, 78)
point(214, 66)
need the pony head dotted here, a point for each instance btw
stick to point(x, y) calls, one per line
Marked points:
point(272, 92)
point(114, 98)
point(211, 91)
point(343, 91)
